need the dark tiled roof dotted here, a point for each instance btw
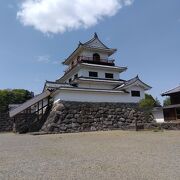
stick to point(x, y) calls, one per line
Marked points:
point(94, 38)
point(54, 85)
point(132, 81)
point(172, 91)
point(172, 106)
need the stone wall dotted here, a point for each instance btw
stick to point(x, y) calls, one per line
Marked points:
point(165, 126)
point(23, 123)
point(77, 117)
point(80, 116)
point(27, 123)
point(6, 123)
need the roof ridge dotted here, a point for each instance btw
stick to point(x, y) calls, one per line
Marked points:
point(169, 91)
point(133, 80)
point(95, 37)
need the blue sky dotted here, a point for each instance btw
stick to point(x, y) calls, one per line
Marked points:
point(145, 32)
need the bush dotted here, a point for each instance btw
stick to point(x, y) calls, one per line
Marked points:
point(167, 101)
point(15, 96)
point(149, 102)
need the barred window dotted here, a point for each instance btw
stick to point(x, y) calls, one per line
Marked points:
point(93, 74)
point(135, 93)
point(109, 75)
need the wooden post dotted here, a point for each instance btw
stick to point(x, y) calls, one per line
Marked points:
point(136, 126)
point(38, 110)
point(42, 109)
point(48, 101)
point(14, 124)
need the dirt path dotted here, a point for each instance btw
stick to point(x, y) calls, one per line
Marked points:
point(97, 155)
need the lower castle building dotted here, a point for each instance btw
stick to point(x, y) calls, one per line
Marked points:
point(92, 76)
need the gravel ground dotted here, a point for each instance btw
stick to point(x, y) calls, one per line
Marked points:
point(120, 155)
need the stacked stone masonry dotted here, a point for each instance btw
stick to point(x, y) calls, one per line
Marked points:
point(67, 117)
point(6, 123)
point(163, 126)
point(27, 123)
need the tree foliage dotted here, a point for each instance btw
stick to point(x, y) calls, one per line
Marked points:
point(15, 96)
point(157, 102)
point(149, 102)
point(167, 101)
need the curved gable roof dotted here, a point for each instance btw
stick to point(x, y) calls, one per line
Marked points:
point(132, 82)
point(94, 43)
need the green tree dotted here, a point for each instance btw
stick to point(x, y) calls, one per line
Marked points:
point(149, 102)
point(167, 101)
point(157, 102)
point(15, 96)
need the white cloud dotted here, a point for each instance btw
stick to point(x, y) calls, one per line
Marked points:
point(43, 59)
point(58, 16)
point(46, 59)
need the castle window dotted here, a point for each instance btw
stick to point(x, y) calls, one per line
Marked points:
point(135, 93)
point(109, 75)
point(96, 57)
point(93, 74)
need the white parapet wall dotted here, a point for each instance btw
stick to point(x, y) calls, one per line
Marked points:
point(85, 95)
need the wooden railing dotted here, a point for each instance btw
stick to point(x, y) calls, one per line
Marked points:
point(81, 59)
point(84, 58)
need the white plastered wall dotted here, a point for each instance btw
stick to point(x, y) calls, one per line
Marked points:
point(158, 115)
point(84, 72)
point(89, 53)
point(98, 85)
point(137, 88)
point(101, 73)
point(98, 96)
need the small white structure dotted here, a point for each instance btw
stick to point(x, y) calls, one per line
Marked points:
point(92, 76)
point(158, 114)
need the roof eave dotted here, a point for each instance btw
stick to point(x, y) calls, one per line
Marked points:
point(89, 89)
point(77, 50)
point(166, 94)
point(171, 91)
point(66, 74)
point(108, 81)
point(81, 47)
point(121, 69)
point(146, 87)
point(110, 51)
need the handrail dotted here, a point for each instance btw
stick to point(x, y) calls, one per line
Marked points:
point(85, 58)
point(80, 59)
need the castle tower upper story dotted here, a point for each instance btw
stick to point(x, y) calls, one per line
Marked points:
point(91, 60)
point(92, 52)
